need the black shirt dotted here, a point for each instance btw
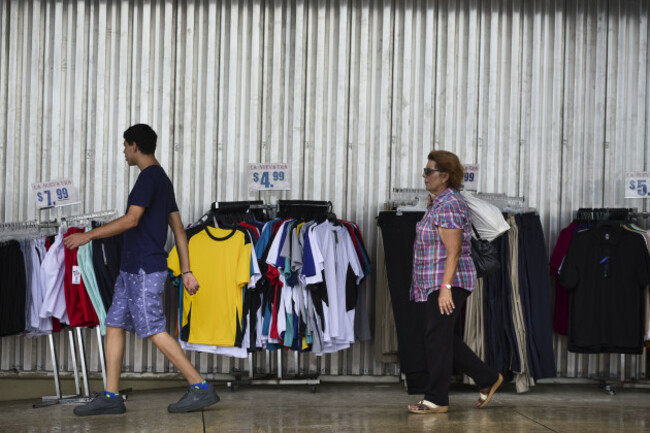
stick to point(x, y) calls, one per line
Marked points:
point(605, 270)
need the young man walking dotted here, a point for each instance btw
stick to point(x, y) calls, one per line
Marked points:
point(137, 301)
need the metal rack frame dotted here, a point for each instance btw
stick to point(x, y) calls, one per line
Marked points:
point(281, 206)
point(77, 346)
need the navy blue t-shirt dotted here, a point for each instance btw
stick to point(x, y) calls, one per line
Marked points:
point(144, 245)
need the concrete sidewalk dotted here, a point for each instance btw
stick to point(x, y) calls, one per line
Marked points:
point(352, 408)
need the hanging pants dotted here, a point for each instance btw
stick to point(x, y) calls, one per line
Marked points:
point(445, 350)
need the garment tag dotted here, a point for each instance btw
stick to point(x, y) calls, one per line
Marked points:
point(76, 275)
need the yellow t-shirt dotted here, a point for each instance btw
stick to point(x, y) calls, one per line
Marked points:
point(220, 259)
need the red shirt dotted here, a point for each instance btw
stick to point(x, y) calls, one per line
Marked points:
point(77, 302)
point(561, 316)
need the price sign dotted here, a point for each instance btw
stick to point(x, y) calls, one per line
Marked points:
point(268, 177)
point(470, 182)
point(637, 184)
point(55, 193)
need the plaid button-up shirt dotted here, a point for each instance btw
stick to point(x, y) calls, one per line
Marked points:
point(448, 210)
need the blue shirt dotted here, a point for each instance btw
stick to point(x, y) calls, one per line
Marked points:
point(144, 245)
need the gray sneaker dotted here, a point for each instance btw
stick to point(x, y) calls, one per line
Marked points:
point(194, 399)
point(102, 405)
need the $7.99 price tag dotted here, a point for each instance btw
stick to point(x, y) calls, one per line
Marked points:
point(55, 193)
point(268, 177)
point(637, 184)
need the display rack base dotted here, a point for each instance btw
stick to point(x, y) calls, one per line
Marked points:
point(606, 384)
point(66, 399)
point(241, 378)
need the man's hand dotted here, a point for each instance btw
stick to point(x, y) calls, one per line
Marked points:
point(76, 240)
point(190, 283)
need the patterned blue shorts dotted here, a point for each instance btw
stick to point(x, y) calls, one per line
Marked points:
point(137, 303)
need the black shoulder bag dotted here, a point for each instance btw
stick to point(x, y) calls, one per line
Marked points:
point(485, 256)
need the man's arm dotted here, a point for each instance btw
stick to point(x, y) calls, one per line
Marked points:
point(189, 281)
point(115, 227)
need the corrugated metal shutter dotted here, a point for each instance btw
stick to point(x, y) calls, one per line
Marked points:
point(550, 98)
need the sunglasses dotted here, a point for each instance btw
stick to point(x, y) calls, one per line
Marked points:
point(429, 171)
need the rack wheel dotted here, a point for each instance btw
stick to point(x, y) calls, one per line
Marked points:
point(234, 387)
point(313, 389)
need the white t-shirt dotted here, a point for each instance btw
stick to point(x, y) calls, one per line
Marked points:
point(52, 269)
point(338, 255)
point(235, 352)
point(35, 250)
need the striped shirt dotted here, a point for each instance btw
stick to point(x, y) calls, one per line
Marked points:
point(448, 210)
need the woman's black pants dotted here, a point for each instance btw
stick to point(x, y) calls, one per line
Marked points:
point(445, 350)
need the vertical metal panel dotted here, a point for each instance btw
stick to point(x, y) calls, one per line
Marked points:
point(541, 133)
point(4, 59)
point(369, 131)
point(13, 112)
point(550, 97)
point(627, 103)
point(358, 67)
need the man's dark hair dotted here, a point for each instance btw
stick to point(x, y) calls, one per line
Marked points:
point(144, 136)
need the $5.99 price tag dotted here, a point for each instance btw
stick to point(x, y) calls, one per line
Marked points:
point(55, 193)
point(637, 184)
point(268, 177)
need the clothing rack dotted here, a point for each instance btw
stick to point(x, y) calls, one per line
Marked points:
point(604, 214)
point(22, 230)
point(409, 190)
point(644, 215)
point(32, 227)
point(77, 345)
point(85, 219)
point(18, 229)
point(611, 215)
point(504, 202)
point(411, 198)
point(307, 209)
point(19, 226)
point(230, 207)
point(231, 210)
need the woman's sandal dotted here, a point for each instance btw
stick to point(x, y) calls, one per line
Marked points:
point(425, 407)
point(485, 395)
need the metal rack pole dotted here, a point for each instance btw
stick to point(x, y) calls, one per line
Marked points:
point(73, 352)
point(82, 359)
point(55, 366)
point(102, 359)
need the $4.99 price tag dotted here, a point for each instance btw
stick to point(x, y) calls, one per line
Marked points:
point(55, 193)
point(637, 184)
point(268, 177)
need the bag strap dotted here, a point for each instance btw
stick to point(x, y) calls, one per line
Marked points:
point(476, 232)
